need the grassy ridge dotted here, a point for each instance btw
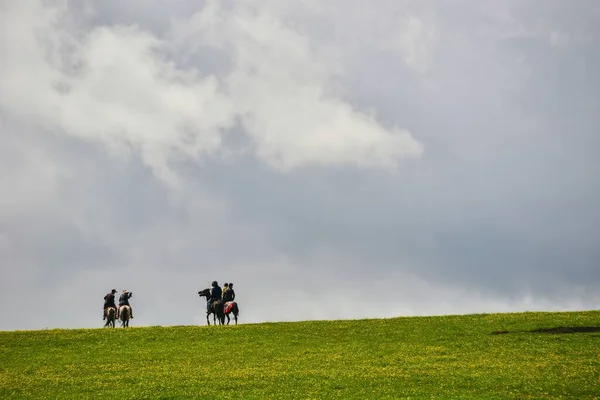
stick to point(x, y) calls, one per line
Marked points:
point(455, 357)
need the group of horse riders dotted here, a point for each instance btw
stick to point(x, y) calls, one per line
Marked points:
point(226, 294)
point(109, 302)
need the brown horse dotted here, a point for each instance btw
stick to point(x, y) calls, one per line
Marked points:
point(111, 315)
point(231, 307)
point(124, 315)
point(216, 308)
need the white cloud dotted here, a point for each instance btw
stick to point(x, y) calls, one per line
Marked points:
point(116, 85)
point(282, 85)
point(416, 42)
point(113, 86)
point(406, 28)
point(291, 82)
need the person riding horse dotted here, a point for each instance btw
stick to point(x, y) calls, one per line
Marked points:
point(109, 301)
point(229, 294)
point(215, 294)
point(124, 301)
point(229, 304)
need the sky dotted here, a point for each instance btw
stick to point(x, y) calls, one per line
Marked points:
point(332, 160)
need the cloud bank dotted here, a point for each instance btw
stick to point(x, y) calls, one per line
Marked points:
point(334, 161)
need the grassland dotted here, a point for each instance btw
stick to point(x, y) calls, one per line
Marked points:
point(453, 357)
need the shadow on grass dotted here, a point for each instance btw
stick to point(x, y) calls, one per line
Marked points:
point(557, 330)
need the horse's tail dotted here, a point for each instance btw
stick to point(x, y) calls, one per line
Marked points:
point(235, 308)
point(111, 313)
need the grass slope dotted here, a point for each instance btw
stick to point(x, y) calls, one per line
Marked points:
point(454, 357)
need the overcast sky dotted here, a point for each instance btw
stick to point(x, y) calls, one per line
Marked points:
point(332, 159)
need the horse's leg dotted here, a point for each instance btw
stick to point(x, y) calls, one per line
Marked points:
point(235, 310)
point(228, 319)
point(207, 320)
point(214, 313)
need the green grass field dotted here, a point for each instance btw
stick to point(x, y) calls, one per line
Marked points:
point(447, 357)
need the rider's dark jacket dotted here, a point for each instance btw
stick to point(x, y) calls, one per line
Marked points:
point(215, 293)
point(109, 300)
point(228, 295)
point(124, 299)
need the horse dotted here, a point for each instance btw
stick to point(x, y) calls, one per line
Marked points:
point(231, 307)
point(111, 315)
point(124, 315)
point(216, 308)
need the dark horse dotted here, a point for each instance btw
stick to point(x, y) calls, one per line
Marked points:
point(231, 307)
point(111, 315)
point(216, 308)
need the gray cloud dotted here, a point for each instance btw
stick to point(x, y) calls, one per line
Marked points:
point(443, 157)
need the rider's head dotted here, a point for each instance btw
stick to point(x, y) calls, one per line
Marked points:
point(214, 283)
point(231, 285)
point(226, 284)
point(113, 291)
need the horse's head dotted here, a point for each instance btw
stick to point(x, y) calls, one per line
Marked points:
point(204, 293)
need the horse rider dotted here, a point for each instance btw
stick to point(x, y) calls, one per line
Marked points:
point(215, 294)
point(109, 301)
point(229, 294)
point(225, 287)
point(124, 301)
